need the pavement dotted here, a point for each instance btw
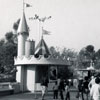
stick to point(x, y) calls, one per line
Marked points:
point(36, 96)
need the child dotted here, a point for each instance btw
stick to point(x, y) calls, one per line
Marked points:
point(67, 92)
point(55, 91)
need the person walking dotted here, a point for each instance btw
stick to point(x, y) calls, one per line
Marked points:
point(95, 90)
point(44, 85)
point(55, 91)
point(67, 91)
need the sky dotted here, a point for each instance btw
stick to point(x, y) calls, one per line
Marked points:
point(74, 23)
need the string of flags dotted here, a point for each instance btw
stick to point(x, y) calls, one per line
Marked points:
point(36, 17)
point(41, 19)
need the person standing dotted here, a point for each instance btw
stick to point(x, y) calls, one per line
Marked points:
point(75, 83)
point(92, 82)
point(80, 89)
point(95, 90)
point(61, 89)
point(55, 91)
point(85, 86)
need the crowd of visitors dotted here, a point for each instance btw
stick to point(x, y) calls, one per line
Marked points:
point(59, 87)
point(88, 87)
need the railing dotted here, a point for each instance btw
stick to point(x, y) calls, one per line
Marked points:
point(6, 89)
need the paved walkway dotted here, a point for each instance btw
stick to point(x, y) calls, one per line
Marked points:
point(32, 96)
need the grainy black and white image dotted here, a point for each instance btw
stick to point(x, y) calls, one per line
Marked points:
point(49, 49)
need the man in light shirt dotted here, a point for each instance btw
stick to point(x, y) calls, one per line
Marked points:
point(95, 90)
point(92, 82)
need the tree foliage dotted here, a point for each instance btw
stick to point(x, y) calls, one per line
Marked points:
point(97, 54)
point(8, 49)
point(97, 59)
point(85, 56)
point(9, 36)
point(15, 25)
point(68, 54)
point(88, 54)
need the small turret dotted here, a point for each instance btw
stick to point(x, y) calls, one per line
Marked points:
point(29, 48)
point(42, 49)
point(22, 35)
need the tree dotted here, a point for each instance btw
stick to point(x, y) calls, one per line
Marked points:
point(97, 59)
point(90, 52)
point(8, 49)
point(85, 56)
point(9, 36)
point(97, 54)
point(68, 54)
point(15, 25)
point(90, 48)
point(2, 41)
point(1, 55)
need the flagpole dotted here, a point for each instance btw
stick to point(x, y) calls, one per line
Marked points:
point(42, 33)
point(39, 30)
point(23, 5)
point(41, 22)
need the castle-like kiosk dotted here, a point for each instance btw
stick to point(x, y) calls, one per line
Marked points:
point(30, 66)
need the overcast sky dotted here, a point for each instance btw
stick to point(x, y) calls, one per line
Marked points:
point(74, 23)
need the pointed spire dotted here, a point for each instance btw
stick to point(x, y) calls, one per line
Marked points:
point(23, 28)
point(42, 48)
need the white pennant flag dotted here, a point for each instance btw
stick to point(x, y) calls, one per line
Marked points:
point(27, 5)
point(45, 32)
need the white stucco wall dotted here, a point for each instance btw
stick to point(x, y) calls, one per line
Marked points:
point(31, 78)
point(18, 74)
point(27, 48)
point(21, 77)
point(21, 44)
